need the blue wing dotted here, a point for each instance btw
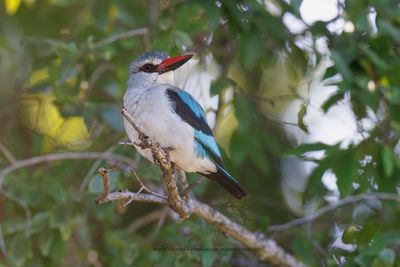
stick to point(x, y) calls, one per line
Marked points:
point(190, 111)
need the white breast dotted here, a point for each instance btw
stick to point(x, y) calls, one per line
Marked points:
point(152, 112)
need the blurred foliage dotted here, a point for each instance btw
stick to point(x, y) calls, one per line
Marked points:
point(62, 83)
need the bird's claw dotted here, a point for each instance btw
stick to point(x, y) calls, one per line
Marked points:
point(144, 141)
point(165, 156)
point(155, 160)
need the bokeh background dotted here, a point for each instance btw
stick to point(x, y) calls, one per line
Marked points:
point(303, 97)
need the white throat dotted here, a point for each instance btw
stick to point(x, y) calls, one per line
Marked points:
point(166, 78)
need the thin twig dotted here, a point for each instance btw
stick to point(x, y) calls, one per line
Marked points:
point(93, 169)
point(97, 163)
point(63, 156)
point(145, 220)
point(189, 188)
point(126, 143)
point(314, 242)
point(160, 223)
point(307, 101)
point(328, 208)
point(121, 36)
point(7, 153)
point(148, 190)
point(106, 185)
point(3, 247)
point(97, 73)
point(280, 123)
point(126, 197)
point(139, 197)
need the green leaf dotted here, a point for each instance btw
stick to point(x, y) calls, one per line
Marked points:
point(309, 147)
point(332, 100)
point(368, 231)
point(39, 221)
point(296, 3)
point(375, 58)
point(341, 65)
point(218, 85)
point(130, 253)
point(350, 234)
point(20, 249)
point(252, 49)
point(387, 161)
point(386, 258)
point(257, 155)
point(56, 191)
point(45, 243)
point(303, 249)
point(366, 209)
point(390, 29)
point(208, 258)
point(112, 116)
point(182, 39)
point(61, 220)
point(300, 117)
point(13, 225)
point(345, 172)
point(315, 186)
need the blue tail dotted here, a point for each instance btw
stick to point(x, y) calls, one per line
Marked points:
point(225, 180)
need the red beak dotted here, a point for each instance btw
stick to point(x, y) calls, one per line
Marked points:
point(173, 63)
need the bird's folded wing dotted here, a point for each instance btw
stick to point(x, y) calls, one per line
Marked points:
point(190, 111)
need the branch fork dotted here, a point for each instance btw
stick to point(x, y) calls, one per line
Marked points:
point(266, 249)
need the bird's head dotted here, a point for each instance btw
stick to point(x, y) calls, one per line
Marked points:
point(156, 67)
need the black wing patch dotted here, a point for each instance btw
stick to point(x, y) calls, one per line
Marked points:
point(189, 110)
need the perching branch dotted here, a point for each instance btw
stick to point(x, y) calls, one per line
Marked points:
point(334, 206)
point(266, 249)
point(161, 156)
point(64, 156)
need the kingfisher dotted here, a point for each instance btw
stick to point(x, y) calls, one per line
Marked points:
point(172, 117)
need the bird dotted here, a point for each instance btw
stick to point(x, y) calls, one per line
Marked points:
point(173, 118)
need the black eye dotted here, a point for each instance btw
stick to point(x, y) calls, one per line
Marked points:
point(148, 67)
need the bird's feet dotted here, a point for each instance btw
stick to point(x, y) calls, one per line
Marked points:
point(144, 141)
point(165, 156)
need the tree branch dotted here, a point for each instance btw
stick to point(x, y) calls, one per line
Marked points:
point(7, 153)
point(121, 36)
point(266, 249)
point(334, 206)
point(64, 156)
point(3, 247)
